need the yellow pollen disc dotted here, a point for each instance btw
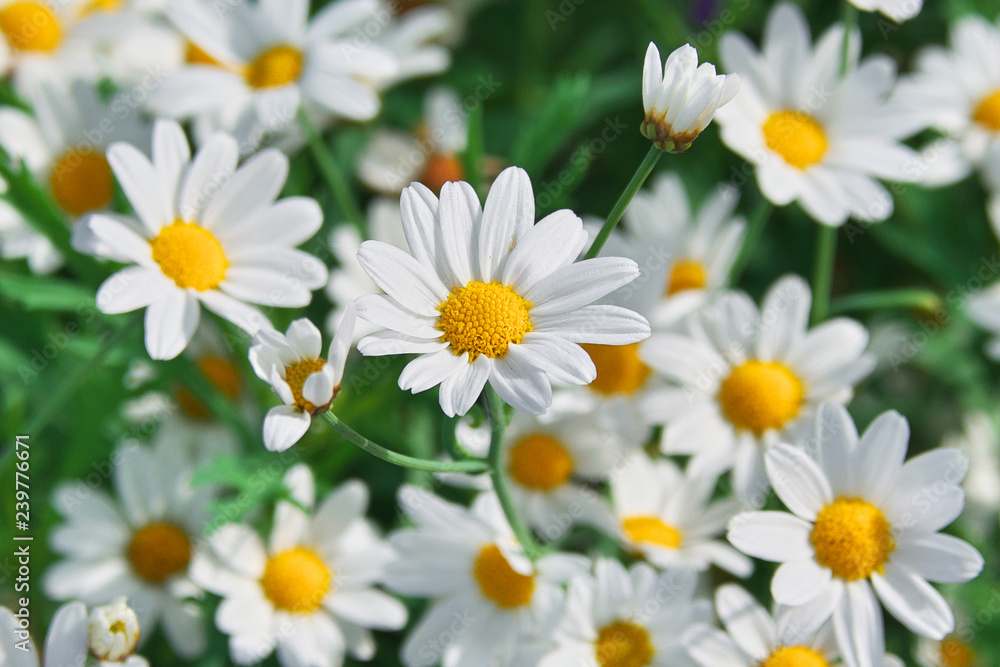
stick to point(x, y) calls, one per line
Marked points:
point(796, 137)
point(652, 530)
point(222, 374)
point(499, 582)
point(686, 274)
point(95, 6)
point(760, 395)
point(442, 168)
point(540, 462)
point(117, 628)
point(623, 644)
point(158, 551)
point(795, 656)
point(190, 255)
point(619, 369)
point(296, 581)
point(483, 318)
point(956, 653)
point(296, 376)
point(852, 538)
point(30, 26)
point(987, 112)
point(278, 66)
point(81, 181)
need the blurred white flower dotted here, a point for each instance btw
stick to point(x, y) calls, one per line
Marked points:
point(113, 631)
point(897, 10)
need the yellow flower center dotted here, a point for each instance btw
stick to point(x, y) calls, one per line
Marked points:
point(296, 376)
point(221, 374)
point(81, 181)
point(795, 656)
point(760, 395)
point(278, 66)
point(852, 538)
point(956, 653)
point(483, 318)
point(623, 644)
point(686, 274)
point(95, 6)
point(987, 112)
point(158, 551)
point(30, 26)
point(652, 530)
point(499, 582)
point(619, 369)
point(796, 137)
point(296, 580)
point(442, 168)
point(540, 462)
point(190, 255)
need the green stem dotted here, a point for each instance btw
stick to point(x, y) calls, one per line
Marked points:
point(498, 424)
point(640, 176)
point(472, 158)
point(755, 229)
point(849, 17)
point(402, 460)
point(920, 299)
point(334, 176)
point(186, 371)
point(826, 251)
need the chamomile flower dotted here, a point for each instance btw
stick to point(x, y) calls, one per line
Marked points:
point(862, 527)
point(207, 233)
point(306, 382)
point(951, 651)
point(621, 618)
point(815, 136)
point(489, 296)
point(747, 378)
point(487, 595)
point(309, 594)
point(681, 100)
point(668, 517)
point(897, 10)
point(412, 37)
point(63, 146)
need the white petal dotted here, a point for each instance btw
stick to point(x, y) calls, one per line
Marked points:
point(170, 324)
point(913, 601)
point(254, 186)
point(797, 480)
point(938, 557)
point(132, 288)
point(369, 609)
point(142, 186)
point(580, 284)
point(747, 622)
point(284, 425)
point(461, 389)
point(509, 213)
point(881, 451)
point(857, 622)
point(799, 582)
point(212, 167)
point(774, 536)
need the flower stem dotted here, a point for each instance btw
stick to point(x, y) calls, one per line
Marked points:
point(755, 229)
point(826, 251)
point(920, 299)
point(332, 173)
point(498, 424)
point(849, 17)
point(402, 460)
point(640, 176)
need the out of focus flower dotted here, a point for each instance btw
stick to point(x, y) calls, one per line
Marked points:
point(951, 651)
point(113, 632)
point(308, 594)
point(862, 523)
point(207, 233)
point(980, 442)
point(305, 382)
point(681, 97)
point(816, 136)
point(412, 36)
point(487, 295)
point(897, 10)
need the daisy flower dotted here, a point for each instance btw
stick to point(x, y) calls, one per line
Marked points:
point(207, 233)
point(412, 37)
point(815, 136)
point(747, 378)
point(487, 595)
point(305, 382)
point(63, 146)
point(948, 652)
point(140, 544)
point(897, 10)
point(623, 617)
point(681, 98)
point(309, 594)
point(668, 517)
point(862, 527)
point(489, 296)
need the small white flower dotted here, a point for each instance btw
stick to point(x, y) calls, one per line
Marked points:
point(489, 296)
point(862, 523)
point(951, 651)
point(113, 631)
point(681, 98)
point(305, 382)
point(897, 10)
point(412, 36)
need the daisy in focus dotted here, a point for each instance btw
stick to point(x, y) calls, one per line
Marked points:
point(305, 382)
point(747, 378)
point(489, 296)
point(207, 234)
point(815, 136)
point(309, 594)
point(681, 97)
point(863, 526)
point(470, 564)
point(669, 518)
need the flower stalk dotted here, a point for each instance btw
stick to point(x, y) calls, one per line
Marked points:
point(332, 173)
point(634, 185)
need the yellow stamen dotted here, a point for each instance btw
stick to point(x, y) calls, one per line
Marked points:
point(499, 582)
point(30, 26)
point(221, 374)
point(190, 255)
point(278, 66)
point(483, 318)
point(296, 581)
point(296, 376)
point(619, 369)
point(540, 462)
point(686, 274)
point(987, 112)
point(159, 551)
point(81, 181)
point(652, 530)
point(852, 538)
point(796, 137)
point(623, 644)
point(795, 656)
point(759, 396)
point(956, 653)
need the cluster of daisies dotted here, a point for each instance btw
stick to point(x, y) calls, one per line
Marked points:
point(602, 382)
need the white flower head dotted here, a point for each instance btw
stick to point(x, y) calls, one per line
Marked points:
point(862, 523)
point(681, 97)
point(113, 631)
point(305, 382)
point(897, 10)
point(487, 295)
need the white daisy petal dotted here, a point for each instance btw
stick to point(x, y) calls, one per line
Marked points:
point(284, 425)
point(170, 324)
point(773, 536)
point(857, 622)
point(798, 481)
point(509, 213)
point(142, 186)
point(746, 621)
point(796, 583)
point(913, 602)
point(940, 558)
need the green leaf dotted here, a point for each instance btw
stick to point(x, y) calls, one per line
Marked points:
point(41, 293)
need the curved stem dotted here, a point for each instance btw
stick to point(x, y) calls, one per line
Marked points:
point(755, 229)
point(638, 178)
point(332, 173)
point(826, 251)
point(920, 299)
point(402, 460)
